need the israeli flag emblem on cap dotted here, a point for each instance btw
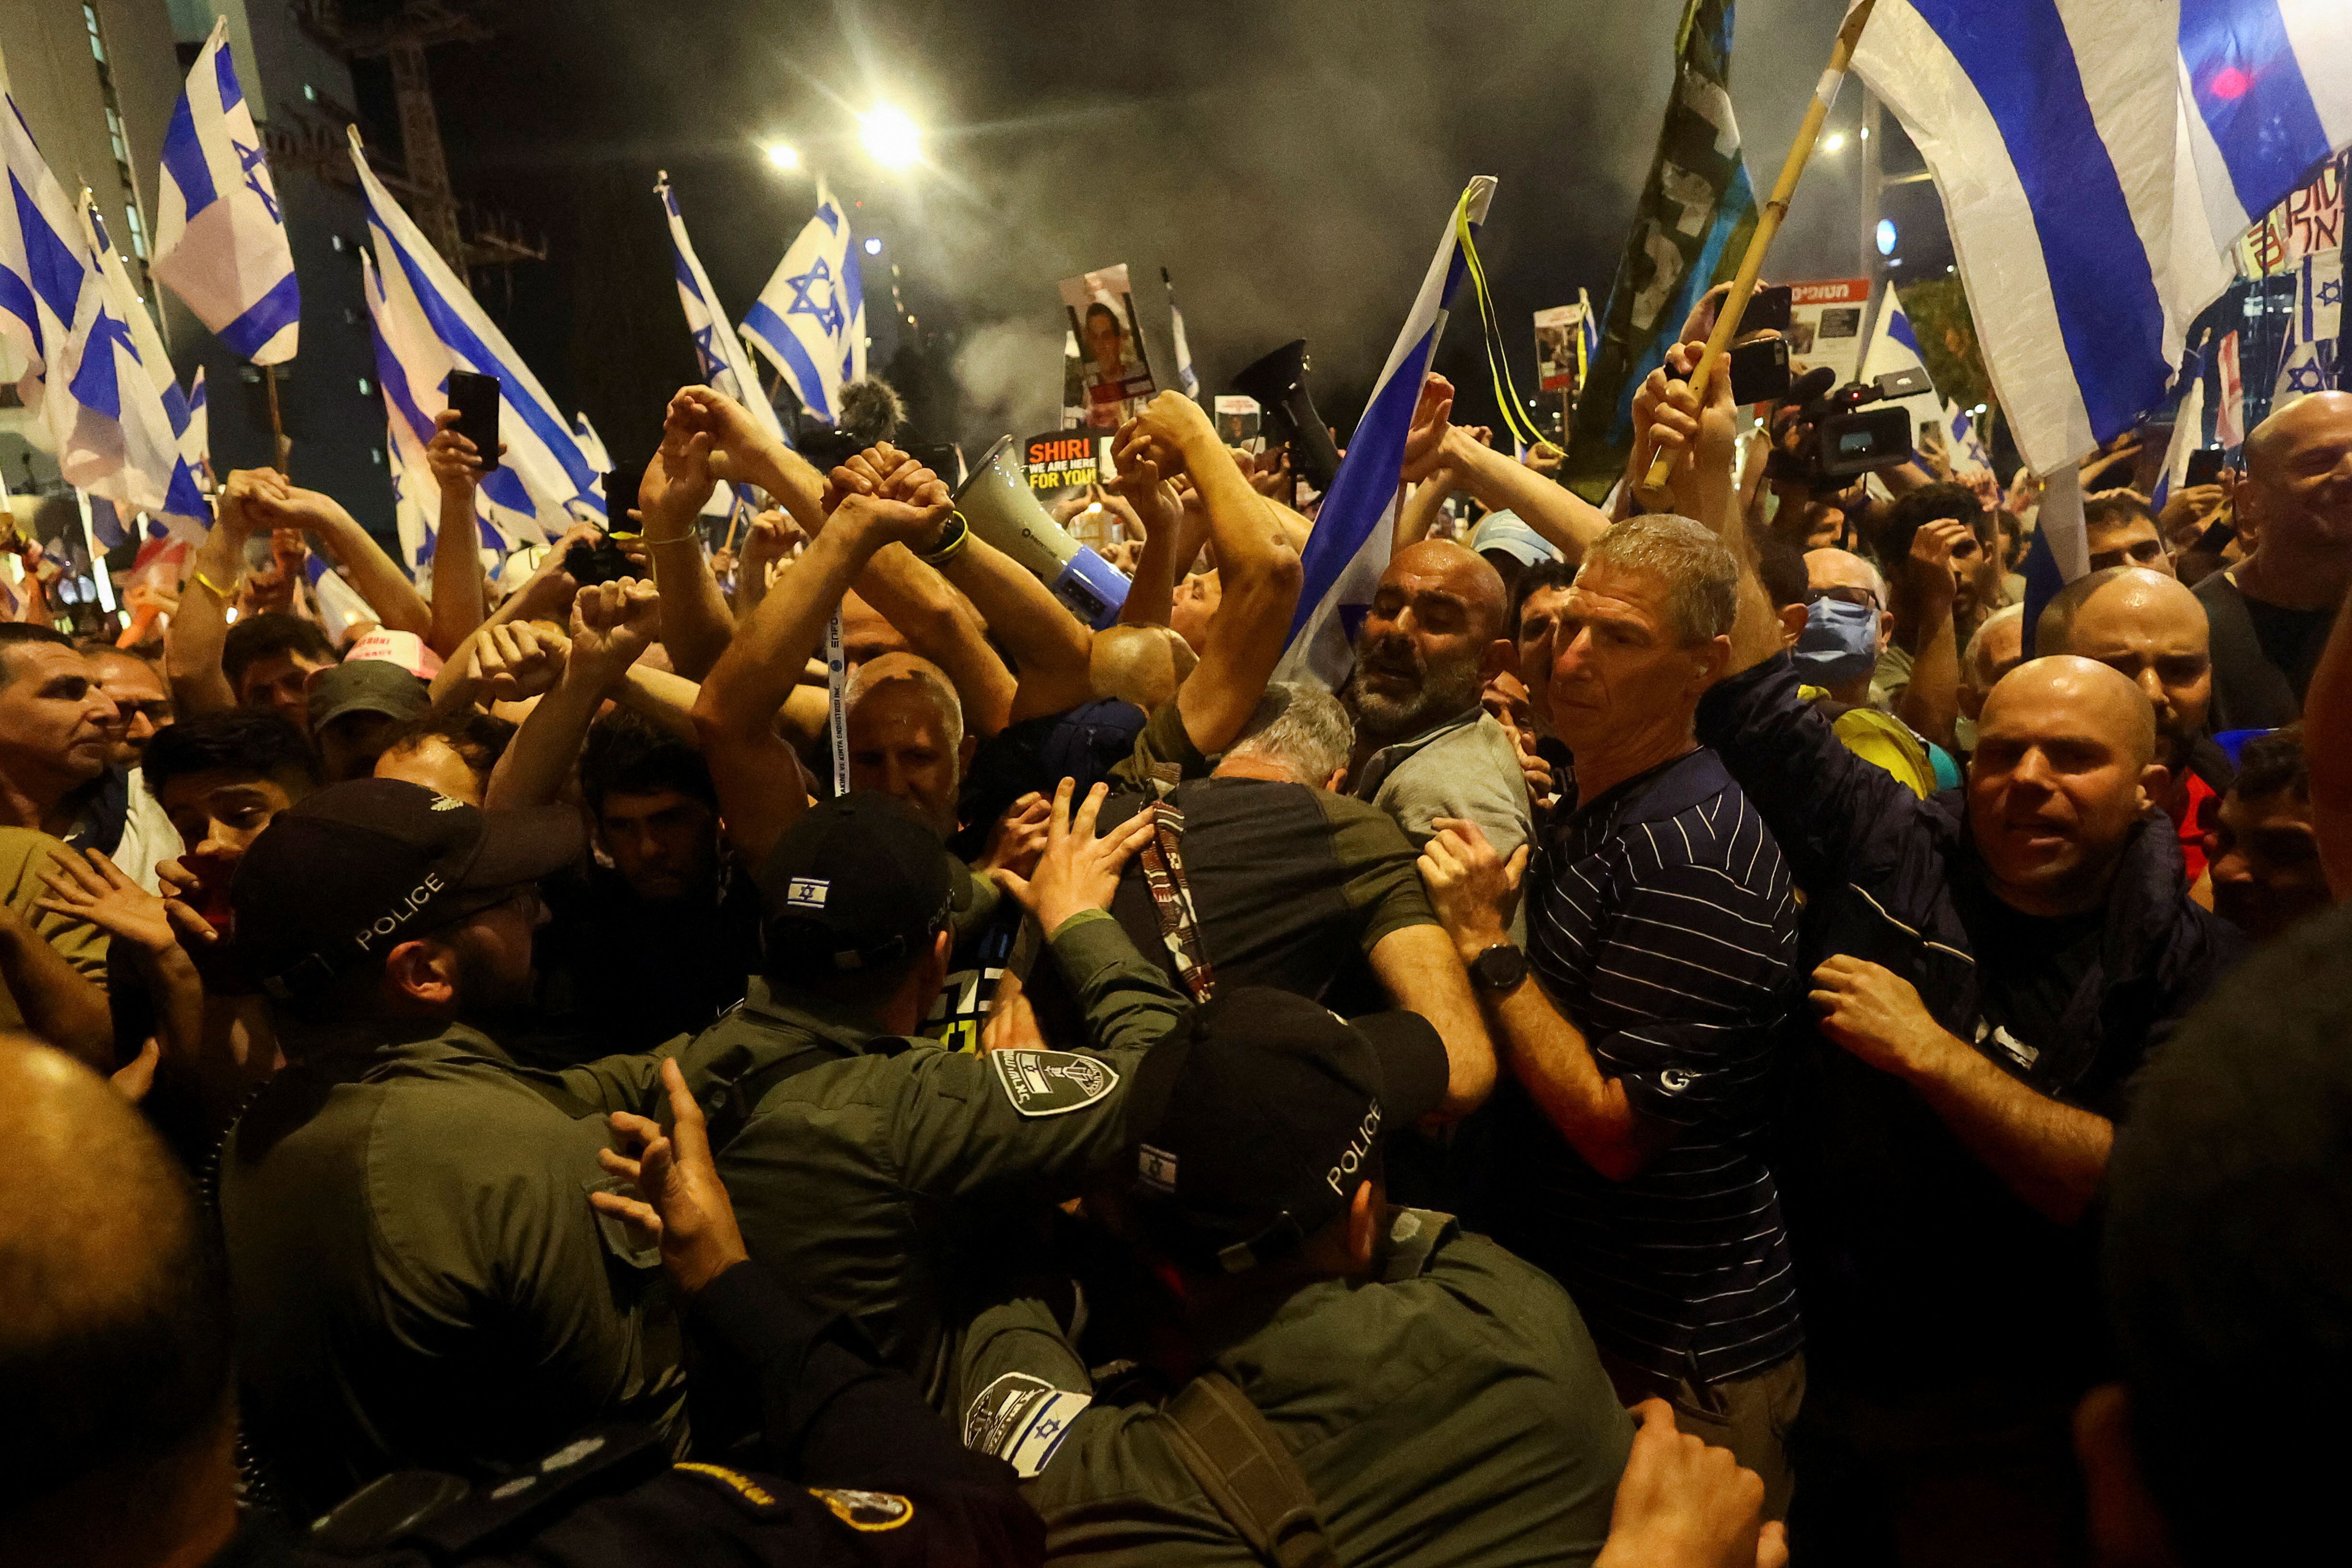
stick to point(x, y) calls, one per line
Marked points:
point(807, 893)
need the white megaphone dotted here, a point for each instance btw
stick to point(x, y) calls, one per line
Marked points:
point(998, 505)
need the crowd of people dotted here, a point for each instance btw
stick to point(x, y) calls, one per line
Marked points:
point(1720, 1039)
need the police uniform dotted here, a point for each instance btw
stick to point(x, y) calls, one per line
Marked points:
point(417, 1275)
point(1442, 1404)
point(879, 1480)
point(874, 1170)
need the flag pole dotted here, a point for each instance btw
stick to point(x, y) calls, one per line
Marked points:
point(1653, 488)
point(280, 449)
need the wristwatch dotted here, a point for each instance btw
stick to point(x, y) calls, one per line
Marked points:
point(1500, 968)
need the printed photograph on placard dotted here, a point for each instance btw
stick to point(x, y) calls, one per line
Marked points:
point(1114, 370)
point(1239, 421)
point(1556, 331)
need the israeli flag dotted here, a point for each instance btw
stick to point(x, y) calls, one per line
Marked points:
point(810, 320)
point(1894, 346)
point(148, 460)
point(1587, 335)
point(1962, 443)
point(1350, 547)
point(1186, 376)
point(220, 235)
point(2266, 92)
point(2310, 363)
point(2187, 436)
point(2052, 130)
point(428, 324)
point(196, 435)
point(45, 277)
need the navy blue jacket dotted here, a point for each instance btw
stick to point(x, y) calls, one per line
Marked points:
point(1921, 1261)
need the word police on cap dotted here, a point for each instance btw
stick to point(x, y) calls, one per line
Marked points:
point(402, 913)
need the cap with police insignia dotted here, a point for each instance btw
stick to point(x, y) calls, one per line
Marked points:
point(859, 882)
point(357, 868)
point(1258, 1118)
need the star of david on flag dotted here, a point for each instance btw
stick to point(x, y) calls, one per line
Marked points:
point(810, 320)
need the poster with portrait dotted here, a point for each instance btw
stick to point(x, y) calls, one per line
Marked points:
point(1240, 421)
point(1825, 325)
point(1556, 335)
point(1114, 370)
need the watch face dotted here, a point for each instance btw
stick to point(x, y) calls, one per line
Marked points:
point(1500, 968)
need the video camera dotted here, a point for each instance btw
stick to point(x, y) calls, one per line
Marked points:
point(1821, 438)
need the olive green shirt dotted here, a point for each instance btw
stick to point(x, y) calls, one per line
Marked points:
point(417, 1275)
point(876, 1179)
point(23, 856)
point(1448, 1409)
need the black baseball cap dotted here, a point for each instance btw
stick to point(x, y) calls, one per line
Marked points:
point(365, 686)
point(357, 868)
point(859, 882)
point(1259, 1116)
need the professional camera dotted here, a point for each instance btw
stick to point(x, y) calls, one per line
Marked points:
point(1821, 438)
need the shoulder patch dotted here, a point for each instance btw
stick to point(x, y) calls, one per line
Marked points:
point(1052, 1083)
point(1022, 1419)
point(754, 1497)
point(869, 1511)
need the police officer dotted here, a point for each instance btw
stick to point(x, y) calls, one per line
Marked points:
point(1353, 1382)
point(119, 1446)
point(879, 1171)
point(418, 1276)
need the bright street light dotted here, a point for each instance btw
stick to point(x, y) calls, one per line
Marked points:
point(783, 155)
point(1834, 141)
point(873, 245)
point(892, 139)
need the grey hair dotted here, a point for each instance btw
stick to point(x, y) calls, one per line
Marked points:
point(923, 673)
point(1701, 575)
point(1301, 728)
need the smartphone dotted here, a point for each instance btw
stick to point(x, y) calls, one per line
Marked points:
point(621, 487)
point(475, 397)
point(2204, 467)
point(1759, 371)
point(1768, 311)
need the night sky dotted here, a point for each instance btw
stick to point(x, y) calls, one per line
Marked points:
point(1292, 164)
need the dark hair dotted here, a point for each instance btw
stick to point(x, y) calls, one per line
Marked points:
point(105, 1382)
point(18, 633)
point(1118, 325)
point(265, 635)
point(1780, 567)
point(1928, 503)
point(479, 739)
point(2115, 507)
point(2226, 1280)
point(1541, 576)
point(246, 739)
point(628, 754)
point(2272, 763)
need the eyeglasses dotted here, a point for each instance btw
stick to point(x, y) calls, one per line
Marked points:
point(1861, 597)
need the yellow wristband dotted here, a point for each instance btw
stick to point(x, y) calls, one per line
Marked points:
point(223, 595)
point(681, 539)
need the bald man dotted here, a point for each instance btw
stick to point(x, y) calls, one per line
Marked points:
point(2272, 612)
point(1989, 968)
point(2149, 628)
point(1435, 636)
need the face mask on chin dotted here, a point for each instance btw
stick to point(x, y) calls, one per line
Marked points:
point(1840, 643)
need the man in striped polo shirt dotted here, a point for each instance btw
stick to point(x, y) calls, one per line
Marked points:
point(1661, 937)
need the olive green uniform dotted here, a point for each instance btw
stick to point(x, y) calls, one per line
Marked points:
point(418, 1277)
point(872, 1171)
point(1449, 1410)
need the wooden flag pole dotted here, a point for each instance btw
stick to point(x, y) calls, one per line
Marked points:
point(1653, 488)
point(280, 450)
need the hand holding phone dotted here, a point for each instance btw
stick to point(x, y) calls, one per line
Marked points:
point(475, 397)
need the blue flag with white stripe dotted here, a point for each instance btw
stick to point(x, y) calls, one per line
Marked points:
point(725, 365)
point(220, 235)
point(810, 320)
point(1350, 547)
point(428, 324)
point(153, 449)
point(2266, 88)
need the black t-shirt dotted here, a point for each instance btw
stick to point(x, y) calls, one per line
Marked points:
point(2290, 639)
point(617, 973)
point(2029, 968)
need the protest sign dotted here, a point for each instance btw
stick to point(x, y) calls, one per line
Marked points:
point(1066, 460)
point(1114, 370)
point(1557, 331)
point(1825, 325)
point(1239, 421)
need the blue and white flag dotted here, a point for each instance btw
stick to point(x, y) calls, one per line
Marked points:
point(46, 275)
point(591, 443)
point(220, 235)
point(2265, 88)
point(2312, 362)
point(1186, 376)
point(2052, 128)
point(1588, 334)
point(810, 320)
point(152, 453)
point(1894, 346)
point(416, 496)
point(1350, 547)
point(196, 435)
point(1963, 446)
point(428, 324)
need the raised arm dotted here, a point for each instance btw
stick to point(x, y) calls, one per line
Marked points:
point(1496, 480)
point(695, 625)
point(914, 597)
point(760, 789)
point(192, 652)
point(1257, 569)
point(1930, 702)
point(397, 605)
point(742, 452)
point(461, 594)
point(1701, 484)
point(612, 624)
point(1151, 597)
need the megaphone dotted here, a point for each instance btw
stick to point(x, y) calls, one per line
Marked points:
point(998, 505)
point(1279, 383)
